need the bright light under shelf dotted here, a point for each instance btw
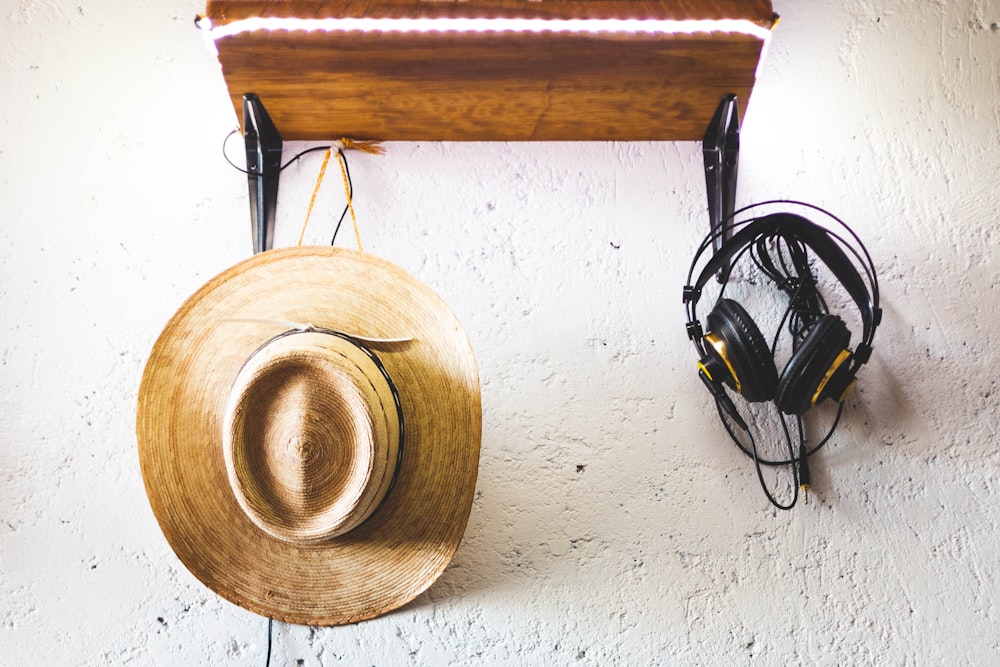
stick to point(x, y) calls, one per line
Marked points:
point(423, 25)
point(490, 25)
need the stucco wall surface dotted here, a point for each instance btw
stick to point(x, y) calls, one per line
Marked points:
point(614, 524)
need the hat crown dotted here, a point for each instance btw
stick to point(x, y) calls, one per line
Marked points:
point(311, 436)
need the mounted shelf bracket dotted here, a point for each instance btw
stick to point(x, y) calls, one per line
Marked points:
point(488, 70)
point(721, 151)
point(263, 146)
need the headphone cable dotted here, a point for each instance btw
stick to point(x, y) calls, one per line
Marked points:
point(793, 459)
point(758, 462)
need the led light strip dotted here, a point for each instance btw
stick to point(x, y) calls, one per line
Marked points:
point(486, 25)
point(587, 26)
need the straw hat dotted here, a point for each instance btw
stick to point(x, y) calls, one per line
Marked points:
point(298, 470)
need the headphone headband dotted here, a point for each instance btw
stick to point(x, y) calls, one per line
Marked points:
point(814, 236)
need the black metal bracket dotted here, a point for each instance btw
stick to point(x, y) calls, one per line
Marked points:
point(263, 145)
point(721, 150)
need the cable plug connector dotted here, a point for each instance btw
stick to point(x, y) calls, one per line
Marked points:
point(804, 477)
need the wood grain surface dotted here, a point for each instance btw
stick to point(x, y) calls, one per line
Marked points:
point(490, 86)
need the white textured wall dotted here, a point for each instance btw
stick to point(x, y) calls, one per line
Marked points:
point(613, 524)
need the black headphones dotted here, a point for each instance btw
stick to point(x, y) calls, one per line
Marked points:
point(733, 352)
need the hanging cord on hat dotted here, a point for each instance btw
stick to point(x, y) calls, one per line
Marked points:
point(345, 172)
point(345, 143)
point(312, 199)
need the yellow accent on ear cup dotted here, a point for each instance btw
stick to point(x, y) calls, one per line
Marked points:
point(841, 358)
point(719, 346)
point(850, 388)
point(703, 369)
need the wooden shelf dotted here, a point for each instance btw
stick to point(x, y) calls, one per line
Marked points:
point(399, 85)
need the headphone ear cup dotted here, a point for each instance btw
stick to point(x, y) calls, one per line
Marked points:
point(744, 351)
point(820, 355)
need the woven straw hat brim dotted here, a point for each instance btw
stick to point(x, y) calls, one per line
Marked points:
point(406, 544)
